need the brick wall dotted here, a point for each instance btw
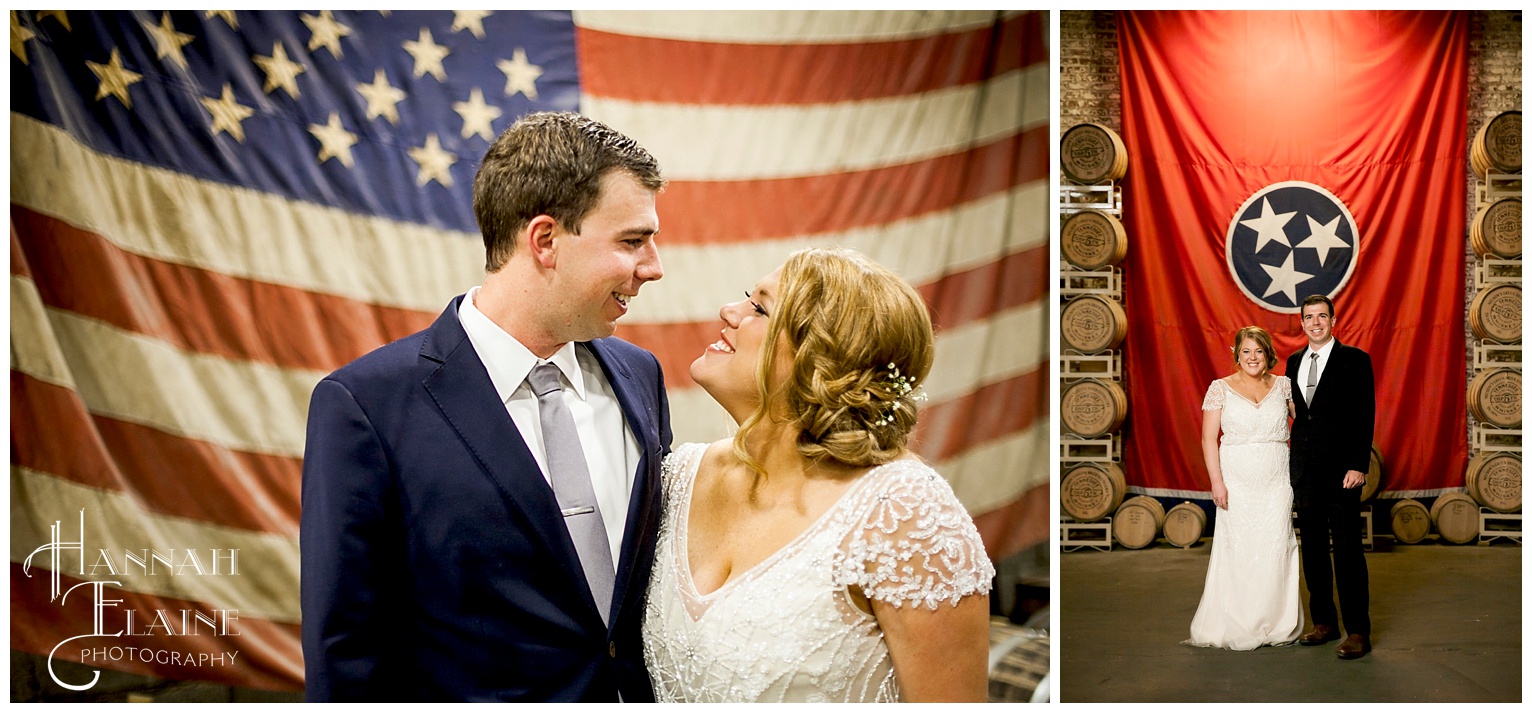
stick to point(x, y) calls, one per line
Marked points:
point(1090, 85)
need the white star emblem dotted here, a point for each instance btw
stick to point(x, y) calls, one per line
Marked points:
point(471, 20)
point(477, 116)
point(435, 163)
point(428, 55)
point(520, 75)
point(227, 114)
point(227, 15)
point(280, 71)
point(60, 15)
point(326, 32)
point(114, 79)
point(1322, 238)
point(19, 35)
point(167, 41)
point(1268, 227)
point(334, 141)
point(382, 98)
point(1284, 279)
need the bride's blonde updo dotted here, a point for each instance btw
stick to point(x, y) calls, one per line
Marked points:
point(853, 330)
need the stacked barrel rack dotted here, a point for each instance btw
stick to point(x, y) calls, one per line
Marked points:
point(1092, 402)
point(1490, 505)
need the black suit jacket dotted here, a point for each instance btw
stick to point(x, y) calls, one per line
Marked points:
point(1334, 434)
point(435, 565)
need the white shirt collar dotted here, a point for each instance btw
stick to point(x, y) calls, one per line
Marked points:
point(507, 360)
point(1324, 351)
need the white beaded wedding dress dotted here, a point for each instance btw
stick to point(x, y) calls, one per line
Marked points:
point(1251, 595)
point(786, 629)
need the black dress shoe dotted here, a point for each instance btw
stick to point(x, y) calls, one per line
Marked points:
point(1319, 635)
point(1354, 647)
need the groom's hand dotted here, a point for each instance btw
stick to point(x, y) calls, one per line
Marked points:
point(1354, 478)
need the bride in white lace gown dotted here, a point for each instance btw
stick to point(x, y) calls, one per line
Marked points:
point(1251, 595)
point(812, 558)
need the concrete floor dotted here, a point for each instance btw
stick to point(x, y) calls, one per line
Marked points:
point(1446, 620)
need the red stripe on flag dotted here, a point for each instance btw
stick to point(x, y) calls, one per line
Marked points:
point(993, 411)
point(1021, 524)
point(268, 656)
point(201, 310)
point(694, 212)
point(51, 432)
point(969, 296)
point(18, 258)
point(649, 69)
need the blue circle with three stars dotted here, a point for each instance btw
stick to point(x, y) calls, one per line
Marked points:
point(1290, 240)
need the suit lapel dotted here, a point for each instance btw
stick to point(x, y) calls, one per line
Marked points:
point(1332, 367)
point(639, 415)
point(466, 397)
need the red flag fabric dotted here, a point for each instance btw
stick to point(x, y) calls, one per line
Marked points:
point(1370, 109)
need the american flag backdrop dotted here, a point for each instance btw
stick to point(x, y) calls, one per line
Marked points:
point(212, 210)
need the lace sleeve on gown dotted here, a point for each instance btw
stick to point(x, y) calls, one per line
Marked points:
point(678, 463)
point(913, 542)
point(1214, 399)
point(1286, 385)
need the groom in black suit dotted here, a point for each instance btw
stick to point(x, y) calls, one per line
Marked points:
point(1331, 450)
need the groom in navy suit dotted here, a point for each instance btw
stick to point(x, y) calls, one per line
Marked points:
point(1331, 450)
point(481, 499)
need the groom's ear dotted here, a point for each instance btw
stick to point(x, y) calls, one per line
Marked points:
point(540, 240)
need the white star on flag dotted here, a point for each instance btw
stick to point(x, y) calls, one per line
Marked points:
point(167, 41)
point(477, 116)
point(382, 98)
point(435, 163)
point(1322, 238)
point(1268, 227)
point(114, 79)
point(280, 71)
point(326, 32)
point(428, 55)
point(1284, 279)
point(334, 141)
point(471, 20)
point(228, 114)
point(520, 75)
point(19, 35)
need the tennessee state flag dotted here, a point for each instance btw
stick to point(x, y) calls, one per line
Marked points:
point(1276, 155)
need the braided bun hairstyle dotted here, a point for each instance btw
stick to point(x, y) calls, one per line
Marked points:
point(853, 329)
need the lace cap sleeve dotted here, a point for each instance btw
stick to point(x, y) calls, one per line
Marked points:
point(680, 464)
point(1286, 385)
point(912, 541)
point(1214, 400)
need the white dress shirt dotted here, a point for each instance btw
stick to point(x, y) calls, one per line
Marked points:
point(1308, 361)
point(611, 450)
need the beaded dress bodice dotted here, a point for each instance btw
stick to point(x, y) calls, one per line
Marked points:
point(787, 629)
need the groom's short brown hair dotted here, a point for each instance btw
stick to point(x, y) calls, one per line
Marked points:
point(1318, 299)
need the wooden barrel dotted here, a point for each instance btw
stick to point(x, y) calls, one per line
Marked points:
point(1494, 481)
point(1456, 517)
point(1409, 521)
point(1497, 145)
point(1496, 314)
point(1092, 491)
point(1092, 407)
point(1092, 240)
point(1494, 397)
point(1374, 474)
point(1138, 522)
point(1184, 524)
point(1092, 153)
point(1092, 324)
point(1496, 229)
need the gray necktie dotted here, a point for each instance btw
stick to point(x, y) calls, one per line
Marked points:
point(1308, 389)
point(570, 477)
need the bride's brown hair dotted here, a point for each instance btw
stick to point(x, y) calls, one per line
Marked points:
point(1261, 338)
point(845, 321)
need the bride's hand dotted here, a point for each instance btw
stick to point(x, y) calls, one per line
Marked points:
point(1220, 496)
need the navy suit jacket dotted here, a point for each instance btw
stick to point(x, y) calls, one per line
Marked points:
point(1333, 434)
point(435, 564)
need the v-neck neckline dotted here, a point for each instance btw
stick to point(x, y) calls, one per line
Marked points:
point(1246, 399)
point(682, 545)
